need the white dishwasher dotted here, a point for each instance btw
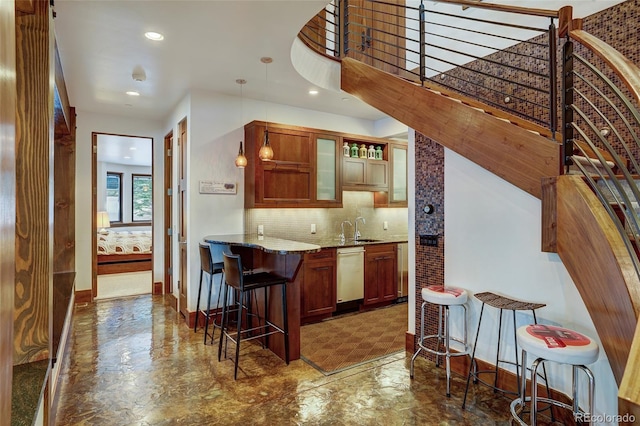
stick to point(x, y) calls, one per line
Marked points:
point(350, 274)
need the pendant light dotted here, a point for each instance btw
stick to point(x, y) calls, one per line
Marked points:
point(241, 160)
point(266, 152)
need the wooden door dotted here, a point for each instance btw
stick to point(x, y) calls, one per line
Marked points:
point(381, 280)
point(388, 274)
point(168, 218)
point(319, 283)
point(182, 220)
point(376, 33)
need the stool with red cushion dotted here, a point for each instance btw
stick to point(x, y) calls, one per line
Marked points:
point(560, 345)
point(444, 298)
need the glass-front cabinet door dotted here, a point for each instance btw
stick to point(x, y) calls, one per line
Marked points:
point(398, 191)
point(327, 168)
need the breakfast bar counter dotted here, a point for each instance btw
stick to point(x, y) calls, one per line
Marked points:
point(281, 257)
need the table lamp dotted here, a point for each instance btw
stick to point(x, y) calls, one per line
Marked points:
point(103, 222)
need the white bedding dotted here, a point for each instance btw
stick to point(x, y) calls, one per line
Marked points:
point(124, 242)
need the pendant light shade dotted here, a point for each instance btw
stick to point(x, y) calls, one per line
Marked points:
point(266, 152)
point(241, 160)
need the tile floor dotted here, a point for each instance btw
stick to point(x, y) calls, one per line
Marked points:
point(133, 361)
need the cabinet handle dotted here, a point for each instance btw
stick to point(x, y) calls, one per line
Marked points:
point(383, 258)
point(322, 268)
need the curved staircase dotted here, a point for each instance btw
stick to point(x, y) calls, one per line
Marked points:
point(576, 224)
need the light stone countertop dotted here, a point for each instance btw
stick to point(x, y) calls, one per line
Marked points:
point(264, 243)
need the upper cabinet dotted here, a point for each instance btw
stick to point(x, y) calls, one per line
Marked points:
point(311, 167)
point(304, 171)
point(398, 183)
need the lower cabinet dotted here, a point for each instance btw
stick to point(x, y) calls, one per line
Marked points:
point(380, 273)
point(318, 293)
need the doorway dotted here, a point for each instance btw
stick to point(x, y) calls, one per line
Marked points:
point(122, 209)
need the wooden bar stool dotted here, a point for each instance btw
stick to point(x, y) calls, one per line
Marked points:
point(245, 284)
point(562, 346)
point(444, 298)
point(502, 303)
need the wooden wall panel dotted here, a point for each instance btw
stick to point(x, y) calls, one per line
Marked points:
point(34, 175)
point(7, 194)
point(595, 256)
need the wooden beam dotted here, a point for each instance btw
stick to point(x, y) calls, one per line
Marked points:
point(8, 193)
point(517, 155)
point(34, 194)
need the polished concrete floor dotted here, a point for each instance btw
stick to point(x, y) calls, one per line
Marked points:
point(133, 361)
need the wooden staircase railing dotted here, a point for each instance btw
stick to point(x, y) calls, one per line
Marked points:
point(578, 223)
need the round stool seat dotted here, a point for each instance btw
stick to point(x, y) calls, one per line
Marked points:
point(557, 344)
point(441, 295)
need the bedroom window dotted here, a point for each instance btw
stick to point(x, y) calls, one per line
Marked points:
point(114, 196)
point(142, 198)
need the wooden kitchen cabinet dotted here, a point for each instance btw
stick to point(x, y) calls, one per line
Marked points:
point(318, 292)
point(397, 195)
point(360, 174)
point(380, 274)
point(304, 171)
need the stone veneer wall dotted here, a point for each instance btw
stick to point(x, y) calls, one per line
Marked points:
point(619, 26)
point(429, 189)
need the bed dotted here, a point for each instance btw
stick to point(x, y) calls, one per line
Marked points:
point(124, 251)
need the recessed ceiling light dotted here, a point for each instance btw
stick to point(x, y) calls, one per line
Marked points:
point(132, 148)
point(133, 93)
point(313, 92)
point(152, 35)
point(126, 157)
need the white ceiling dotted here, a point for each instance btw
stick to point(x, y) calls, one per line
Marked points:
point(131, 151)
point(208, 45)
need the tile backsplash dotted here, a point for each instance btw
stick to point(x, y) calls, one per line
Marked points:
point(294, 223)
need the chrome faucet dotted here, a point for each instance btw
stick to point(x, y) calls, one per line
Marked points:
point(356, 233)
point(342, 229)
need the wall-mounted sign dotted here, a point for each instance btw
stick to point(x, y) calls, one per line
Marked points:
point(210, 187)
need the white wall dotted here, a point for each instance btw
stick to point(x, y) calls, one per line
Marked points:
point(493, 240)
point(88, 122)
point(215, 128)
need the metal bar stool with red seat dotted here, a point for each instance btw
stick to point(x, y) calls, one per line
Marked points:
point(560, 345)
point(207, 265)
point(445, 298)
point(244, 285)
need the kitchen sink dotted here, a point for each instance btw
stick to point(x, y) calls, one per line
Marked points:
point(365, 240)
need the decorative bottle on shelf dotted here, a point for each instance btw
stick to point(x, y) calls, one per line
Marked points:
point(378, 153)
point(354, 150)
point(363, 151)
point(371, 153)
point(346, 150)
